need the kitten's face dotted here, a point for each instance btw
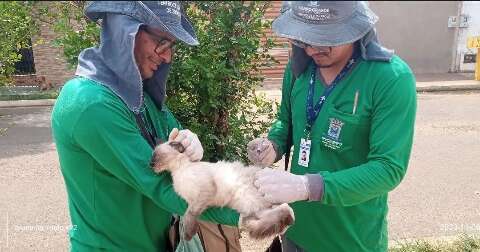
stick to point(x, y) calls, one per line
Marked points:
point(165, 155)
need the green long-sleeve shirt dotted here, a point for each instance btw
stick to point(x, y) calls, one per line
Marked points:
point(116, 202)
point(361, 156)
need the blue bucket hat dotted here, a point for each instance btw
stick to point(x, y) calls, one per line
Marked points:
point(164, 15)
point(325, 23)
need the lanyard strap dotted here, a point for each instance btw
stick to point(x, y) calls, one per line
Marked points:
point(313, 111)
point(147, 128)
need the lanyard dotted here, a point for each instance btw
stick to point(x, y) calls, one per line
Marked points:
point(147, 128)
point(313, 111)
point(151, 128)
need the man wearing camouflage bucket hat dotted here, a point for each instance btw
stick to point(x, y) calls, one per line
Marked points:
point(350, 105)
point(108, 118)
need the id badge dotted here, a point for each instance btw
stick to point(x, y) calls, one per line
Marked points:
point(304, 153)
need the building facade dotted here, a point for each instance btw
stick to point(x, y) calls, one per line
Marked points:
point(430, 35)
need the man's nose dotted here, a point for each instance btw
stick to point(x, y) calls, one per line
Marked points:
point(167, 56)
point(312, 51)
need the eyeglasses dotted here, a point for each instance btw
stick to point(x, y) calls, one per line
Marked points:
point(163, 43)
point(305, 45)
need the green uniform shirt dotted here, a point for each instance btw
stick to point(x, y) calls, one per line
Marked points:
point(116, 202)
point(361, 156)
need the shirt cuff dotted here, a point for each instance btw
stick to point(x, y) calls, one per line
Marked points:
point(315, 187)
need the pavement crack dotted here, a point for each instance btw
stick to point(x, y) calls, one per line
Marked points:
point(3, 131)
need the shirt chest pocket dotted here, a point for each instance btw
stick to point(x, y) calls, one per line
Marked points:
point(342, 132)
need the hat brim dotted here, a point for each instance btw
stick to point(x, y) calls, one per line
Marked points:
point(332, 34)
point(184, 31)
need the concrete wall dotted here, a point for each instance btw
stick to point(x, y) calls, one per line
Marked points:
point(471, 9)
point(418, 32)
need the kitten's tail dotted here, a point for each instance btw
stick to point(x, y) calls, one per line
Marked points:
point(269, 222)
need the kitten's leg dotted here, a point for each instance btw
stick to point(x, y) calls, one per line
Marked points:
point(269, 222)
point(190, 223)
point(196, 206)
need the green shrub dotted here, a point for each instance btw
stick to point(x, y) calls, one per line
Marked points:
point(464, 243)
point(211, 86)
point(16, 28)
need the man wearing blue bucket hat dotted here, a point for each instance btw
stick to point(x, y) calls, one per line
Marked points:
point(106, 121)
point(350, 105)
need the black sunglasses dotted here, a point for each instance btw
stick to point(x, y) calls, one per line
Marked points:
point(304, 45)
point(163, 43)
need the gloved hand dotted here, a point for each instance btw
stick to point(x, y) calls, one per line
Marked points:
point(189, 140)
point(261, 152)
point(278, 186)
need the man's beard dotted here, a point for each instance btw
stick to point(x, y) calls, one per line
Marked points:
point(325, 65)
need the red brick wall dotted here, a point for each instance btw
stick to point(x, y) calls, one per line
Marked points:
point(280, 52)
point(49, 60)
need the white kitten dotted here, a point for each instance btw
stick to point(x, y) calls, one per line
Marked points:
point(204, 184)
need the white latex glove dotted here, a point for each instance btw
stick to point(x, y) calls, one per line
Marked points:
point(279, 186)
point(189, 140)
point(261, 152)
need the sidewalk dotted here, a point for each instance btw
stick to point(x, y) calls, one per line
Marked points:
point(444, 82)
point(431, 83)
point(453, 85)
point(27, 103)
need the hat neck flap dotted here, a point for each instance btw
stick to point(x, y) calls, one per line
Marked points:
point(113, 64)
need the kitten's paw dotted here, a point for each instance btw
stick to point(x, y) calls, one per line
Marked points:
point(269, 222)
point(191, 227)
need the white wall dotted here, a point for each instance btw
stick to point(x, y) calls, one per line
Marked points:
point(418, 32)
point(472, 9)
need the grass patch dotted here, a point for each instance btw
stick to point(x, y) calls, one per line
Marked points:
point(464, 243)
point(30, 96)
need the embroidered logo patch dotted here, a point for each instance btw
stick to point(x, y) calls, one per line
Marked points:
point(331, 140)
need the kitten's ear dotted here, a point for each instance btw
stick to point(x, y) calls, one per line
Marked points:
point(173, 134)
point(177, 146)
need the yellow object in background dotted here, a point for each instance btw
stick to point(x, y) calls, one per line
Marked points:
point(474, 42)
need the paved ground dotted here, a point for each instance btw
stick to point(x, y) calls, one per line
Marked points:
point(440, 195)
point(33, 210)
